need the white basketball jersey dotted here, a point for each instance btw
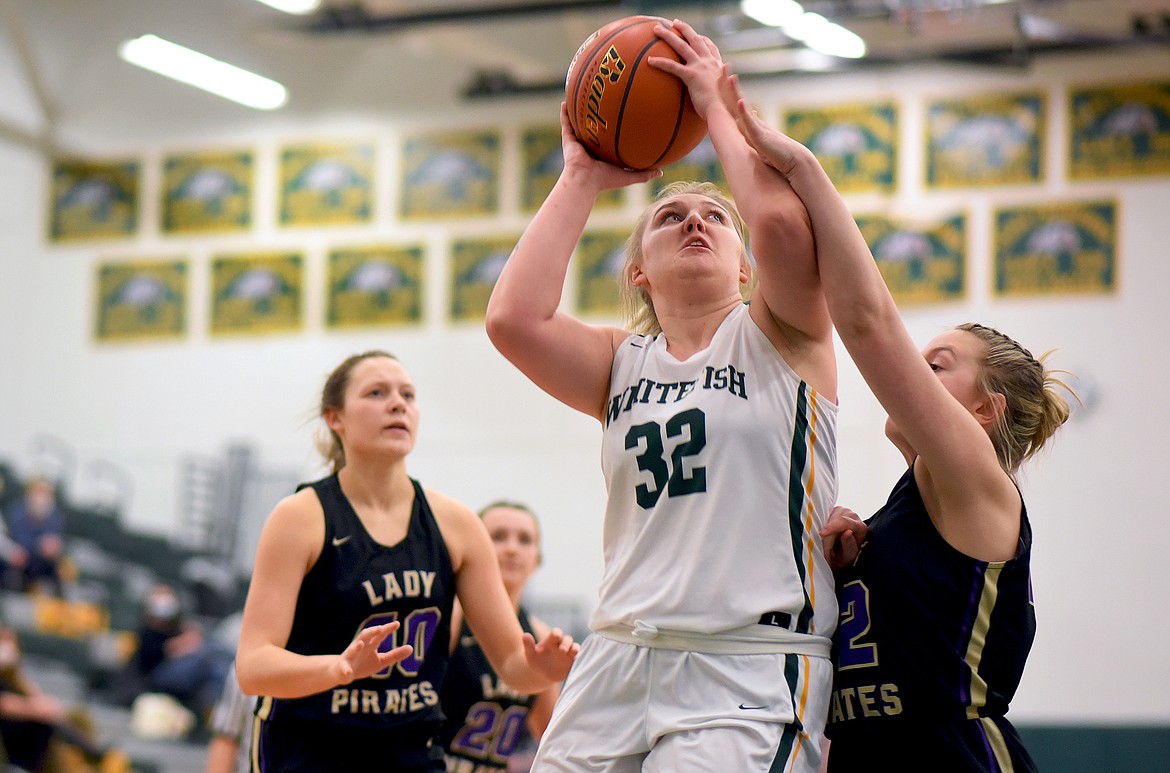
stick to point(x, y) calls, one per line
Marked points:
point(721, 471)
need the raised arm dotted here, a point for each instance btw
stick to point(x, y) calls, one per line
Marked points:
point(789, 286)
point(973, 491)
point(289, 545)
point(565, 357)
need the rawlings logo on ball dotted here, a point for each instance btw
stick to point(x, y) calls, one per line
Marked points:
point(609, 70)
point(621, 108)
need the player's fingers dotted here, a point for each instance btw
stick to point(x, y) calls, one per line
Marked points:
point(674, 40)
point(376, 634)
point(396, 655)
point(849, 547)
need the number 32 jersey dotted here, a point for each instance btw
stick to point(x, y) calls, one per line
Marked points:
point(721, 469)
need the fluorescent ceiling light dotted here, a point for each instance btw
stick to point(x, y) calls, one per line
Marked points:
point(772, 13)
point(812, 29)
point(193, 68)
point(835, 40)
point(299, 7)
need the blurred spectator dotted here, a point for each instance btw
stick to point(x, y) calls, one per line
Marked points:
point(11, 574)
point(173, 657)
point(231, 723)
point(35, 528)
point(37, 733)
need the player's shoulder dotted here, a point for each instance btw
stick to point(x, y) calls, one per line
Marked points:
point(302, 506)
point(450, 513)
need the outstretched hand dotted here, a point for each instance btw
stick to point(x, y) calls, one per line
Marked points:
point(701, 69)
point(553, 655)
point(844, 535)
point(362, 658)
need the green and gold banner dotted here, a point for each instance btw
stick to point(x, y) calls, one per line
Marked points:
point(543, 161)
point(856, 144)
point(601, 255)
point(702, 163)
point(1119, 131)
point(921, 264)
point(376, 285)
point(1056, 249)
point(450, 175)
point(257, 293)
point(143, 299)
point(475, 266)
point(93, 200)
point(207, 192)
point(327, 185)
point(989, 140)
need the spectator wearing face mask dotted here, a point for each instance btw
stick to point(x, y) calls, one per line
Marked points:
point(174, 657)
point(32, 558)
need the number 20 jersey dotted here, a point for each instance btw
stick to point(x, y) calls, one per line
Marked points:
point(721, 469)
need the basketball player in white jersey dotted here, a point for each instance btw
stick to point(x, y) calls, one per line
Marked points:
point(711, 643)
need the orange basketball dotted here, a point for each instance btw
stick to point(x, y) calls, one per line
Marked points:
point(623, 110)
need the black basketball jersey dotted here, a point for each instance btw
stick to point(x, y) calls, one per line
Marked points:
point(930, 647)
point(486, 719)
point(357, 583)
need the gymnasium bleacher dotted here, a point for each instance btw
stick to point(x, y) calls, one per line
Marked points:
point(73, 645)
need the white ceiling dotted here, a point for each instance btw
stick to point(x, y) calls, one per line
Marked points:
point(62, 82)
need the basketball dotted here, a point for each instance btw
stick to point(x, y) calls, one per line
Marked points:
point(623, 110)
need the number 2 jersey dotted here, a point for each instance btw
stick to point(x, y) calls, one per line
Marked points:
point(357, 583)
point(721, 469)
point(486, 719)
point(930, 648)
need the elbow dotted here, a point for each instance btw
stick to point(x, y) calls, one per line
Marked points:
point(500, 326)
point(507, 326)
point(247, 686)
point(246, 678)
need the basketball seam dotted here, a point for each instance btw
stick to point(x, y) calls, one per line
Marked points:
point(682, 107)
point(580, 76)
point(617, 135)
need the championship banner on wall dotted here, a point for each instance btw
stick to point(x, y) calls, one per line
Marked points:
point(990, 140)
point(475, 266)
point(856, 144)
point(1119, 131)
point(542, 161)
point(921, 265)
point(207, 192)
point(702, 163)
point(450, 175)
point(93, 200)
point(257, 293)
point(141, 300)
point(326, 185)
point(377, 285)
point(600, 257)
point(1056, 249)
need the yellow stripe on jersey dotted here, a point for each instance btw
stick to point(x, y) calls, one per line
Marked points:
point(254, 747)
point(974, 653)
point(998, 745)
point(810, 556)
point(802, 706)
point(264, 708)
